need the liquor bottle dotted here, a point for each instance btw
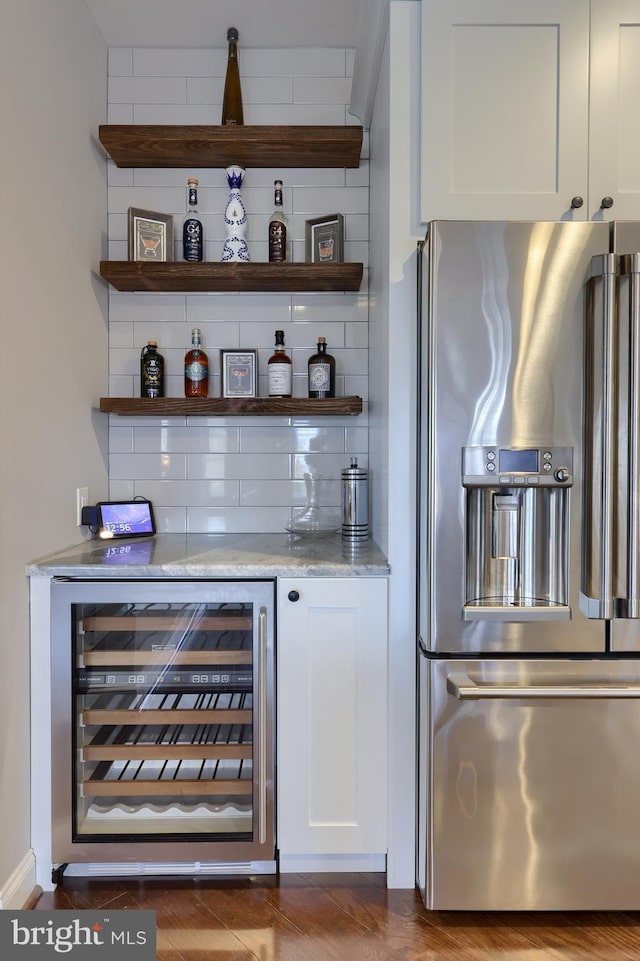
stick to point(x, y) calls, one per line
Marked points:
point(321, 369)
point(232, 97)
point(279, 369)
point(196, 368)
point(192, 236)
point(278, 228)
point(151, 371)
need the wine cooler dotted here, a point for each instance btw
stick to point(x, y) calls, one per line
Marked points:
point(162, 721)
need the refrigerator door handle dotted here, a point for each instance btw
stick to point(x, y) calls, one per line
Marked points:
point(630, 265)
point(464, 689)
point(606, 267)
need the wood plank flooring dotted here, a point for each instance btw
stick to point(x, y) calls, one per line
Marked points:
point(342, 917)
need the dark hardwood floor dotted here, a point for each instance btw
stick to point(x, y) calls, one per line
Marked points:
point(342, 917)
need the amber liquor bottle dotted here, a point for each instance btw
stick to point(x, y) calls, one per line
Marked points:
point(151, 371)
point(321, 369)
point(232, 98)
point(278, 227)
point(196, 368)
point(192, 236)
point(279, 369)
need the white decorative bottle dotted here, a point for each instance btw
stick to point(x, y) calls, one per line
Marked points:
point(235, 218)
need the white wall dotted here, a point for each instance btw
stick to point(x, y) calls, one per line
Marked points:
point(393, 214)
point(215, 475)
point(53, 350)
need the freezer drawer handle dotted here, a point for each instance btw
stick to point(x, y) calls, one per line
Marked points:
point(462, 687)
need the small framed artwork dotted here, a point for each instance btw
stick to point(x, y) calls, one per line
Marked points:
point(150, 235)
point(239, 371)
point(325, 239)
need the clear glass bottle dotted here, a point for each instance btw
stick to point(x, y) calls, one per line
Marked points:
point(151, 371)
point(232, 98)
point(278, 228)
point(192, 234)
point(279, 369)
point(196, 368)
point(321, 371)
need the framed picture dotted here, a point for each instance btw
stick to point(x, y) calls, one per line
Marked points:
point(239, 371)
point(150, 235)
point(325, 239)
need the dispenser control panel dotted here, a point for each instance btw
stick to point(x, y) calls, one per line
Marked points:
point(517, 466)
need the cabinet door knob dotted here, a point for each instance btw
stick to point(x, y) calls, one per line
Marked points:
point(606, 202)
point(576, 202)
point(293, 596)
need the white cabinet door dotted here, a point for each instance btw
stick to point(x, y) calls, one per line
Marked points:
point(614, 150)
point(332, 717)
point(504, 109)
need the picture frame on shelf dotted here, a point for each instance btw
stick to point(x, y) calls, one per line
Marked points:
point(324, 239)
point(239, 373)
point(150, 235)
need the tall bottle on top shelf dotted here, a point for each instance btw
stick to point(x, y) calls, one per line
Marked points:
point(279, 369)
point(278, 228)
point(192, 234)
point(151, 371)
point(196, 368)
point(232, 114)
point(321, 369)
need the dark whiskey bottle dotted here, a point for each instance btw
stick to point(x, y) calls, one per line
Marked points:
point(151, 371)
point(278, 228)
point(196, 368)
point(232, 97)
point(279, 369)
point(192, 235)
point(321, 369)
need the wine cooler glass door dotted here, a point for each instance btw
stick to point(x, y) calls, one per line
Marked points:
point(170, 716)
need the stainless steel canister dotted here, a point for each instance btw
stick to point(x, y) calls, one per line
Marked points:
point(355, 502)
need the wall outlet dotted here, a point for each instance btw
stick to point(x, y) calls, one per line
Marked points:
point(82, 500)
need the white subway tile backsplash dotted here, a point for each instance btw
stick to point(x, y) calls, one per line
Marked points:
point(156, 466)
point(152, 62)
point(235, 474)
point(158, 90)
point(120, 61)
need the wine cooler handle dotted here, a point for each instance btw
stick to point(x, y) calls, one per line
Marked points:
point(631, 267)
point(262, 742)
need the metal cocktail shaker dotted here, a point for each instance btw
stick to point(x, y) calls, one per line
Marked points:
point(355, 503)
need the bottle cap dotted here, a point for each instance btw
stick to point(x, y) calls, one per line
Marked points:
point(232, 34)
point(322, 340)
point(193, 181)
point(277, 183)
point(152, 343)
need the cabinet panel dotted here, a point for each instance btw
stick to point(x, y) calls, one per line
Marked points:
point(614, 169)
point(332, 716)
point(504, 109)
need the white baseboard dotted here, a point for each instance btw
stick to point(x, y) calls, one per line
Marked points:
point(19, 887)
point(329, 863)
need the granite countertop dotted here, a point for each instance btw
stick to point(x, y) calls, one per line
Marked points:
point(216, 555)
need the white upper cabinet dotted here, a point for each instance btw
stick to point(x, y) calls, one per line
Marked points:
point(614, 141)
point(529, 110)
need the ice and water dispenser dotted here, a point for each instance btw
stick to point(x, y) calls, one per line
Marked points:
point(517, 532)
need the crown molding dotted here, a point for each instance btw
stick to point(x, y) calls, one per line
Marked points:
point(373, 23)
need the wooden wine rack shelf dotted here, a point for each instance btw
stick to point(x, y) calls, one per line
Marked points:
point(229, 406)
point(151, 145)
point(179, 276)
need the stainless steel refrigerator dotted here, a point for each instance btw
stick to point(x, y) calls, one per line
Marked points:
point(529, 572)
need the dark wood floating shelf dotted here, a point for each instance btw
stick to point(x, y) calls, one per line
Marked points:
point(176, 276)
point(229, 406)
point(151, 145)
